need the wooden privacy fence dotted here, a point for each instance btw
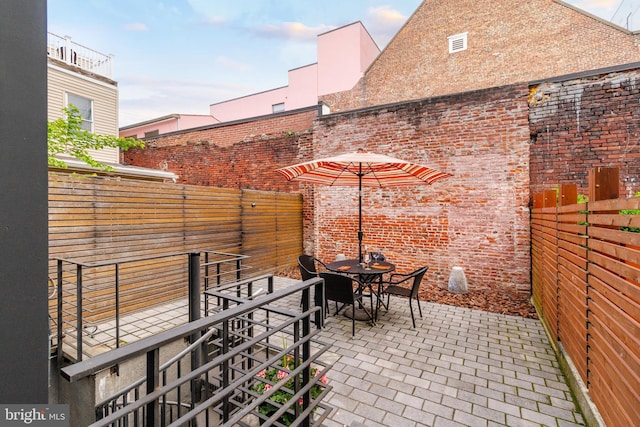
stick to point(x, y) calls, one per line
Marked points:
point(96, 219)
point(586, 285)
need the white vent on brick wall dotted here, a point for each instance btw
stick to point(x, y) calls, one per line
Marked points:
point(457, 43)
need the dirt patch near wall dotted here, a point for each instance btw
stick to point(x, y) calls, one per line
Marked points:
point(486, 299)
point(491, 300)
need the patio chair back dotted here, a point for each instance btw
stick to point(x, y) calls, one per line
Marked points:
point(307, 266)
point(417, 280)
point(339, 288)
point(308, 270)
point(394, 287)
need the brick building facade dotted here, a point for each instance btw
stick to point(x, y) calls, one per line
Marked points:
point(242, 154)
point(507, 42)
point(478, 219)
point(585, 121)
point(501, 144)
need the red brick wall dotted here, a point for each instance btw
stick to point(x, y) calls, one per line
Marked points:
point(508, 42)
point(237, 155)
point(582, 123)
point(478, 219)
point(497, 147)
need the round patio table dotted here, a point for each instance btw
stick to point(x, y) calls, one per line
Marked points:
point(367, 277)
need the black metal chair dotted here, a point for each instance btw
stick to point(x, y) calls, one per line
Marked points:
point(308, 270)
point(394, 286)
point(307, 266)
point(340, 288)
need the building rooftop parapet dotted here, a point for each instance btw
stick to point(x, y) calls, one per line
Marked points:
point(76, 55)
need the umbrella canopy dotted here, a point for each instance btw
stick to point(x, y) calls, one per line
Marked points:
point(362, 169)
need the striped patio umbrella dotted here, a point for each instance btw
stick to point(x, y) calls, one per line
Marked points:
point(362, 169)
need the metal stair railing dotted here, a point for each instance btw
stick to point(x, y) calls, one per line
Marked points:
point(224, 379)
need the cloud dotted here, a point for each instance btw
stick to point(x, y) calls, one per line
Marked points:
point(230, 64)
point(136, 27)
point(385, 16)
point(143, 98)
point(215, 21)
point(292, 31)
point(384, 22)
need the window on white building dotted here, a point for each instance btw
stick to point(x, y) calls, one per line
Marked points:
point(457, 43)
point(277, 108)
point(85, 106)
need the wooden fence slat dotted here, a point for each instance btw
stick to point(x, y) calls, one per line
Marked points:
point(97, 218)
point(597, 277)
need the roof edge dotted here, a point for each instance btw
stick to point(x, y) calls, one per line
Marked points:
point(587, 73)
point(597, 18)
point(317, 107)
point(117, 170)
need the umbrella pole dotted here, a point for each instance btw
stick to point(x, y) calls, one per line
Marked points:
point(360, 233)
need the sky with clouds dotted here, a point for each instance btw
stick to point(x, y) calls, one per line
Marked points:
point(180, 56)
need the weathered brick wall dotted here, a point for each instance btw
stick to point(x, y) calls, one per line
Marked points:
point(508, 42)
point(581, 123)
point(237, 155)
point(478, 219)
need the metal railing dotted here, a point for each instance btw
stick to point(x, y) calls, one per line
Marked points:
point(92, 297)
point(219, 378)
point(122, 398)
point(72, 53)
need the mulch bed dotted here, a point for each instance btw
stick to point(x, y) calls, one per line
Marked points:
point(486, 299)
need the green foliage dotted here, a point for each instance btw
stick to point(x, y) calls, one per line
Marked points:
point(274, 375)
point(631, 212)
point(583, 199)
point(66, 136)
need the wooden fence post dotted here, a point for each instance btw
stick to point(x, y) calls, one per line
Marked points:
point(550, 198)
point(538, 200)
point(568, 194)
point(604, 184)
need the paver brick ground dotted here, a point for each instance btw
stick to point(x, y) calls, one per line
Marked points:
point(458, 367)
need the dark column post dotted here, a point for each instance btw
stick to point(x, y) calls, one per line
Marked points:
point(23, 202)
point(194, 314)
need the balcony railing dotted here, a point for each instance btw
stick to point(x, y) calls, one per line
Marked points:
point(96, 299)
point(72, 53)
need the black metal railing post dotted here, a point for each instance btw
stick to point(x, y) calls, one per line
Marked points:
point(59, 332)
point(297, 362)
point(117, 284)
point(79, 328)
point(306, 351)
point(206, 282)
point(225, 368)
point(194, 314)
point(153, 383)
point(194, 286)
